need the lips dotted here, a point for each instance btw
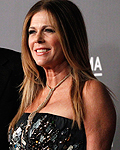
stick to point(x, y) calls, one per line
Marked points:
point(42, 51)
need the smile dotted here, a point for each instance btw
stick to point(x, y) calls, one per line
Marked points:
point(42, 50)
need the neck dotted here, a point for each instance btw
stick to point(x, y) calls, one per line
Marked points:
point(54, 76)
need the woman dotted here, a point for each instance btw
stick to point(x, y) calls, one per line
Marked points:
point(63, 105)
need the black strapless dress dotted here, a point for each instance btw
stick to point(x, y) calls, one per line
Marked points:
point(47, 132)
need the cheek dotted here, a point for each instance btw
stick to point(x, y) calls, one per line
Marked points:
point(30, 43)
point(56, 44)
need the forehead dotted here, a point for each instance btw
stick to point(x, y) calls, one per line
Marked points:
point(42, 17)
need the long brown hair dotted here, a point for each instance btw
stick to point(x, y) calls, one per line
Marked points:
point(73, 37)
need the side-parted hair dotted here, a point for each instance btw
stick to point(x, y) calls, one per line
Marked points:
point(70, 26)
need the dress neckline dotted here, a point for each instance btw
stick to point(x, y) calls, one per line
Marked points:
point(50, 114)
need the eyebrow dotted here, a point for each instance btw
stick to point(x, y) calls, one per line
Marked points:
point(32, 27)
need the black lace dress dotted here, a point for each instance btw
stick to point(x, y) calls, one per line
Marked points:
point(47, 132)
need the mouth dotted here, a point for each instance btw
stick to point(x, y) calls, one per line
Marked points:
point(42, 50)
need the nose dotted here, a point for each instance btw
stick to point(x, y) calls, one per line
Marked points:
point(39, 38)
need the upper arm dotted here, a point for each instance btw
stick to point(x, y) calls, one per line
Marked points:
point(100, 116)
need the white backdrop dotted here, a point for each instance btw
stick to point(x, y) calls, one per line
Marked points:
point(102, 18)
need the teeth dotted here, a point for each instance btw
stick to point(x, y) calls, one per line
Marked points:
point(42, 50)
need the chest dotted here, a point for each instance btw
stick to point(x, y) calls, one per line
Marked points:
point(59, 103)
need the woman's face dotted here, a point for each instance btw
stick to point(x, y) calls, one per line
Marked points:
point(43, 41)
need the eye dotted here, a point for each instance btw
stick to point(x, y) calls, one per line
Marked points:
point(31, 32)
point(49, 30)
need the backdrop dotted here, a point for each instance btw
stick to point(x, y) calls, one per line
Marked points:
point(102, 18)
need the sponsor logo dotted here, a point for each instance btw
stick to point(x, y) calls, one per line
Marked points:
point(96, 66)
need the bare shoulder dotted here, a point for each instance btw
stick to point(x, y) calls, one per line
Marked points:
point(97, 99)
point(95, 92)
point(99, 115)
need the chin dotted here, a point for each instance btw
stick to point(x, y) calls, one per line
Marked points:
point(41, 64)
